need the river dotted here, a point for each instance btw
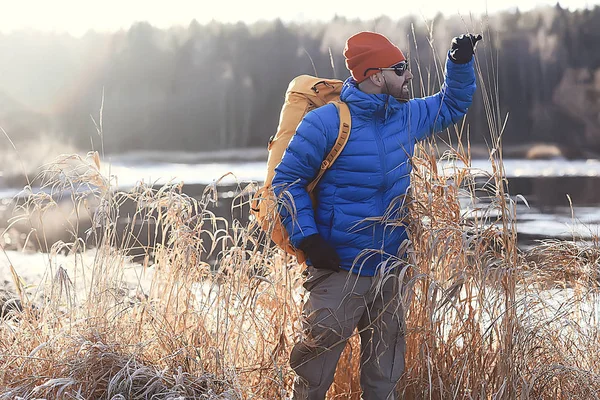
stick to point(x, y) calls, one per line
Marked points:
point(544, 184)
point(562, 196)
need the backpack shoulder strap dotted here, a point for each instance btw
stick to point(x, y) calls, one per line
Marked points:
point(340, 142)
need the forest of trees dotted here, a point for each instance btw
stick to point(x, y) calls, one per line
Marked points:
point(221, 86)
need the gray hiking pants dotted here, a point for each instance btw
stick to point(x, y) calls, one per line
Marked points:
point(335, 304)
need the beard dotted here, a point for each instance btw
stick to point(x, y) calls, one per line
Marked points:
point(404, 93)
point(401, 94)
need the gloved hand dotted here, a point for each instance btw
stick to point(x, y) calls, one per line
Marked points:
point(320, 253)
point(463, 48)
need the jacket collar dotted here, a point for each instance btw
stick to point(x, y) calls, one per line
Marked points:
point(369, 105)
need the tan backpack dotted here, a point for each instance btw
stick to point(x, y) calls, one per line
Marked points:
point(304, 93)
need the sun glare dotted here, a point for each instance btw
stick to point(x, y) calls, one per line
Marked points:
point(77, 17)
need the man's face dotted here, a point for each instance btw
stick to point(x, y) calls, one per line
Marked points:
point(396, 85)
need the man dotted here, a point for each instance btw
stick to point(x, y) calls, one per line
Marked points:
point(353, 237)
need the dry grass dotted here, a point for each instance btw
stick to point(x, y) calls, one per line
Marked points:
point(484, 319)
point(487, 320)
point(198, 332)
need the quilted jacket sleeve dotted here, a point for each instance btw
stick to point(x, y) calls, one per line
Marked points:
point(298, 167)
point(435, 113)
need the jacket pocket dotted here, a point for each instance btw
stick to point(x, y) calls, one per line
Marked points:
point(331, 222)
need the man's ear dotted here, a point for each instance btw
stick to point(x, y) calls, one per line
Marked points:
point(377, 79)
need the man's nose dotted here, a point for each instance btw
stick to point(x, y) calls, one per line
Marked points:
point(408, 74)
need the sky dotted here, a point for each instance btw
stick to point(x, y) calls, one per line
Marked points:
point(78, 16)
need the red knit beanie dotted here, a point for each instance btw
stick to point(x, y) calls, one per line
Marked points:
point(370, 50)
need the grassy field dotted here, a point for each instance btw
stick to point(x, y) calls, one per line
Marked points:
point(485, 320)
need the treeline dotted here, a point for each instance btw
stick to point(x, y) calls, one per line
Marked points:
point(220, 86)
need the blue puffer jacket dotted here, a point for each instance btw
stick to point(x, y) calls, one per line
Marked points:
point(359, 197)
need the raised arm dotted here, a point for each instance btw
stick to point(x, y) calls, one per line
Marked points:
point(435, 113)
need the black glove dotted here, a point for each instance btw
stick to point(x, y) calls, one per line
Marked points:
point(463, 48)
point(320, 253)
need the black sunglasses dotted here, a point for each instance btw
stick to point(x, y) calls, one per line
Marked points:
point(399, 68)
